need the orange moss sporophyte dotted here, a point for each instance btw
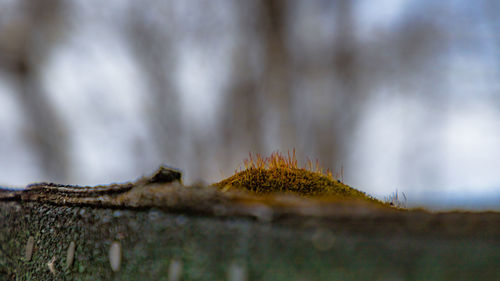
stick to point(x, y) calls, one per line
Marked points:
point(282, 174)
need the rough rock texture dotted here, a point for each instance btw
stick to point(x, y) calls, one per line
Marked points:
point(167, 231)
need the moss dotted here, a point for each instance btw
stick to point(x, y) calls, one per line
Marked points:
point(281, 174)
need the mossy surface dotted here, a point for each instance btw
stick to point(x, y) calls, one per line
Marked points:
point(281, 174)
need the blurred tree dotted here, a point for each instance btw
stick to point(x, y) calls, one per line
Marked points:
point(330, 69)
point(348, 93)
point(420, 46)
point(240, 116)
point(258, 104)
point(491, 10)
point(151, 34)
point(276, 73)
point(26, 42)
point(265, 103)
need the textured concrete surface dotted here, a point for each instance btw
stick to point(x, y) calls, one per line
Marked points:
point(158, 229)
point(155, 244)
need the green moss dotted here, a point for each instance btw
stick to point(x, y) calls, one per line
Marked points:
point(279, 174)
point(290, 180)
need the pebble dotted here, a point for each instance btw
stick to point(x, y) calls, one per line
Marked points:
point(29, 248)
point(115, 256)
point(236, 272)
point(175, 270)
point(71, 254)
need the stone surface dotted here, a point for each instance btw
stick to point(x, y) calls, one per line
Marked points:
point(419, 246)
point(158, 229)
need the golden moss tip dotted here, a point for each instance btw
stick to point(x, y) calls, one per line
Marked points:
point(280, 173)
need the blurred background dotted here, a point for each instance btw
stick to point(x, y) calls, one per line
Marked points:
point(403, 94)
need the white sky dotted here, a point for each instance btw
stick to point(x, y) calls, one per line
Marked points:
point(381, 14)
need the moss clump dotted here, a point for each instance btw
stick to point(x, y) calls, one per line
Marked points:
point(282, 174)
